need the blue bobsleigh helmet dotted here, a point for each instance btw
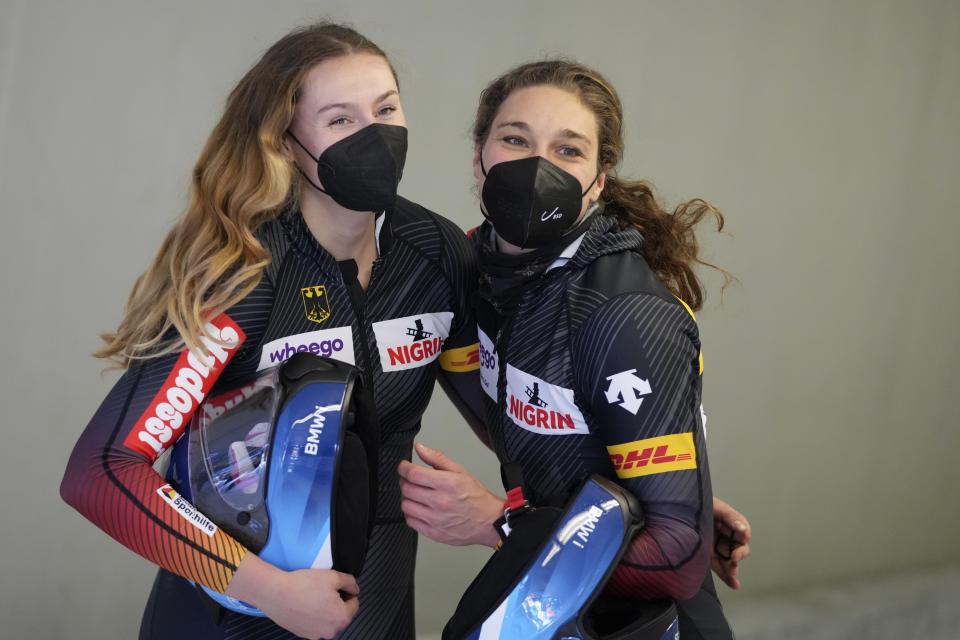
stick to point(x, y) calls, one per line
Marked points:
point(287, 465)
point(544, 582)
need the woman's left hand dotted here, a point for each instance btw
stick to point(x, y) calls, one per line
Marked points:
point(447, 504)
point(731, 535)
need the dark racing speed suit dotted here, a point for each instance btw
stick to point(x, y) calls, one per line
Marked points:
point(413, 319)
point(598, 370)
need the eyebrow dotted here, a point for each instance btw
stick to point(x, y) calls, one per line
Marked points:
point(344, 105)
point(566, 133)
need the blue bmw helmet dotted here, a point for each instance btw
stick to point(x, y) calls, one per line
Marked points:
point(544, 582)
point(287, 465)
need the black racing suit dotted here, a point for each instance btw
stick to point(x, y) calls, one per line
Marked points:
point(414, 317)
point(598, 370)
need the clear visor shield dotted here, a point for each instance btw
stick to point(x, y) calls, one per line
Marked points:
point(230, 445)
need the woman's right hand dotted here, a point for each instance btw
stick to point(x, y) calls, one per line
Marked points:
point(311, 603)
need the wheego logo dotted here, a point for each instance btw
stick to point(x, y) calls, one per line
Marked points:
point(541, 407)
point(414, 341)
point(330, 343)
point(324, 348)
point(186, 510)
point(184, 389)
point(648, 457)
point(317, 421)
point(489, 367)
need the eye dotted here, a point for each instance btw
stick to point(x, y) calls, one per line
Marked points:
point(386, 111)
point(570, 152)
point(339, 121)
point(514, 141)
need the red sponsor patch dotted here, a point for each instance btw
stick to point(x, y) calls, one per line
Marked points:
point(188, 383)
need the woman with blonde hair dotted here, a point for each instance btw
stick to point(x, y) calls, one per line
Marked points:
point(294, 240)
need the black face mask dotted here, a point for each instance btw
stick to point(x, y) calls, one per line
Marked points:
point(532, 202)
point(362, 171)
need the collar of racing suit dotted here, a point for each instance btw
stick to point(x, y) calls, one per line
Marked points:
point(504, 280)
point(293, 222)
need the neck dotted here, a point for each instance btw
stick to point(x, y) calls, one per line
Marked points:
point(510, 249)
point(346, 234)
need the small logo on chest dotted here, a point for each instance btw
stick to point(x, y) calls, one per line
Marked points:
point(538, 406)
point(316, 304)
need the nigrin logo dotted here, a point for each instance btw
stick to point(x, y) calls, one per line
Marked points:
point(412, 341)
point(534, 413)
point(539, 406)
point(424, 346)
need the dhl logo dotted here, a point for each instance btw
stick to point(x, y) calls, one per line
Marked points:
point(462, 359)
point(648, 457)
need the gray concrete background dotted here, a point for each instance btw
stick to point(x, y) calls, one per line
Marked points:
point(826, 131)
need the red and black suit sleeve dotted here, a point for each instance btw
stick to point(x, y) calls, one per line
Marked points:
point(110, 477)
point(640, 374)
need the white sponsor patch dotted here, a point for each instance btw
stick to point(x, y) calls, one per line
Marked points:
point(627, 389)
point(411, 342)
point(541, 407)
point(489, 365)
point(331, 343)
point(186, 510)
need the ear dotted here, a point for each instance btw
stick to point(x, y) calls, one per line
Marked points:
point(477, 170)
point(598, 186)
point(286, 148)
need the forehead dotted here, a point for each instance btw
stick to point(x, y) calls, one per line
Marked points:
point(355, 77)
point(548, 110)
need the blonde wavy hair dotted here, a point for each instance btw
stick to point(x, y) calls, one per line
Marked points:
point(211, 259)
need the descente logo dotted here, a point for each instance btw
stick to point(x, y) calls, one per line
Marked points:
point(188, 383)
point(186, 510)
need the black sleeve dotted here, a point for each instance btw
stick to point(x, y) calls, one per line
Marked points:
point(460, 359)
point(640, 373)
